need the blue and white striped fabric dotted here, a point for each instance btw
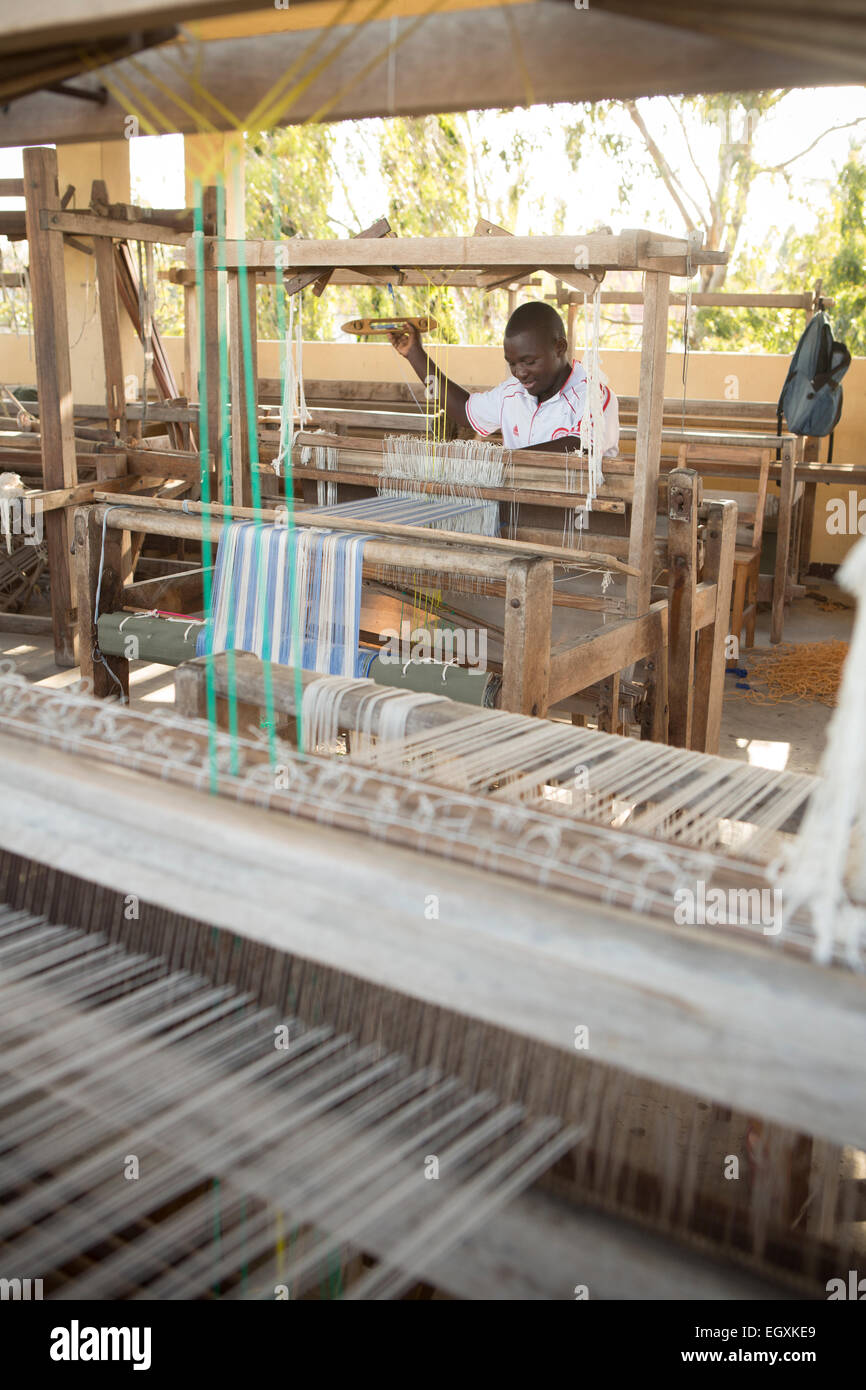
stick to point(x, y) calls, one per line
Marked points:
point(439, 513)
point(261, 572)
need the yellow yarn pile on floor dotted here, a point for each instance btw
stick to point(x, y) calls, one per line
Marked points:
point(795, 671)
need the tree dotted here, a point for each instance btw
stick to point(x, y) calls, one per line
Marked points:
point(702, 152)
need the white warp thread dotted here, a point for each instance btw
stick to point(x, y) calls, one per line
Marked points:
point(458, 467)
point(823, 868)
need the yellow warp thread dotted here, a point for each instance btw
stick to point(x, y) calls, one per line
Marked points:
point(796, 671)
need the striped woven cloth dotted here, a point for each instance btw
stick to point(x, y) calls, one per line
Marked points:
point(293, 595)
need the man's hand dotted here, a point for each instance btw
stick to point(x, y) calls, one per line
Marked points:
point(407, 340)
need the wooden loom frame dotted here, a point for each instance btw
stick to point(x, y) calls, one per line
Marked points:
point(535, 678)
point(686, 708)
point(495, 259)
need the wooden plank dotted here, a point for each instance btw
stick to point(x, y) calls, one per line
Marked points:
point(209, 369)
point(25, 622)
point(683, 499)
point(719, 544)
point(241, 408)
point(89, 555)
point(11, 188)
point(597, 251)
point(567, 500)
point(783, 542)
point(731, 1012)
point(83, 492)
point(109, 318)
point(91, 224)
point(596, 655)
point(494, 544)
point(647, 443)
point(433, 555)
point(175, 593)
point(526, 657)
point(54, 378)
point(164, 463)
point(292, 284)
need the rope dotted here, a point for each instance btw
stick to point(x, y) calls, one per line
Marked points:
point(796, 671)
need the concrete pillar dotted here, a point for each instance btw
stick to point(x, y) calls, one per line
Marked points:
point(216, 156)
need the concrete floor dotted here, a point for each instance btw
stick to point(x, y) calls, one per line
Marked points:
point(789, 735)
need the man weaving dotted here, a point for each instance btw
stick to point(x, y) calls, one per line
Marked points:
point(540, 405)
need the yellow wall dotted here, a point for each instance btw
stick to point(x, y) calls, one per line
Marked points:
point(80, 165)
point(710, 376)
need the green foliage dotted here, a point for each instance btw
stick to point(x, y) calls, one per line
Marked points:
point(834, 252)
point(434, 173)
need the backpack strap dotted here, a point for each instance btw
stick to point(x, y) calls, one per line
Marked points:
point(779, 427)
point(830, 447)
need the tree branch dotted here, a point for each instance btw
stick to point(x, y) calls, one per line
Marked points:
point(777, 168)
point(668, 177)
point(705, 217)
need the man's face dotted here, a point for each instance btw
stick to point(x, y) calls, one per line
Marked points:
point(536, 361)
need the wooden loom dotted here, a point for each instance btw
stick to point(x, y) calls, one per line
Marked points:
point(550, 922)
point(537, 672)
point(490, 259)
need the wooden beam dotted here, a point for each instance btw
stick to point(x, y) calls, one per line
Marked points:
point(596, 251)
point(109, 317)
point(647, 443)
point(110, 676)
point(526, 656)
point(243, 411)
point(54, 378)
point(25, 622)
point(719, 545)
point(434, 555)
point(683, 501)
point(596, 655)
point(783, 540)
point(495, 545)
point(176, 593)
point(91, 224)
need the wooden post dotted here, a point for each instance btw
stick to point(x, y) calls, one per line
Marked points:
point(719, 546)
point(243, 410)
point(54, 379)
point(572, 328)
point(811, 453)
point(109, 318)
point(528, 617)
point(608, 705)
point(783, 539)
point(683, 501)
point(650, 410)
point(88, 553)
point(209, 368)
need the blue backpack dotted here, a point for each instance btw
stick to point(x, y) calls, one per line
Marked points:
point(811, 399)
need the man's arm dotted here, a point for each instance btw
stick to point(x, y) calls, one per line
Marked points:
point(451, 396)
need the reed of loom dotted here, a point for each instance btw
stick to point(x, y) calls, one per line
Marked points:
point(691, 1031)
